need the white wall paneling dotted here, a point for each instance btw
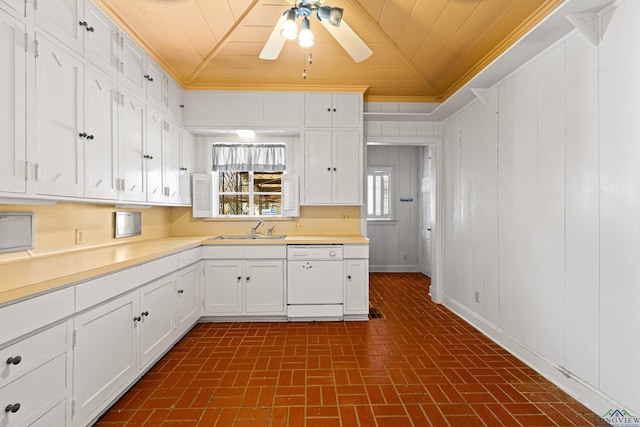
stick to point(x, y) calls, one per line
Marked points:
point(541, 201)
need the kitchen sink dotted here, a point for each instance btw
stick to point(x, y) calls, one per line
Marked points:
point(248, 237)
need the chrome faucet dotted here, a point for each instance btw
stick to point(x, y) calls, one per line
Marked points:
point(254, 230)
point(270, 230)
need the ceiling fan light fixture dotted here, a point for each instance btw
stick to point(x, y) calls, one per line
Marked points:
point(290, 28)
point(332, 14)
point(305, 38)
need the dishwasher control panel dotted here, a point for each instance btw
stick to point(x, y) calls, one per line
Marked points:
point(314, 252)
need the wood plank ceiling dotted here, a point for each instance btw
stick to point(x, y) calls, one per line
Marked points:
point(423, 50)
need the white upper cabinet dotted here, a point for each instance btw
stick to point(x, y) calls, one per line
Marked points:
point(171, 162)
point(132, 115)
point(247, 109)
point(12, 108)
point(333, 167)
point(100, 40)
point(187, 143)
point(59, 116)
point(63, 20)
point(100, 144)
point(332, 110)
point(174, 101)
point(133, 67)
point(153, 156)
point(155, 84)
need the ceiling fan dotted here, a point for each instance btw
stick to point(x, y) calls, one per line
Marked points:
point(330, 17)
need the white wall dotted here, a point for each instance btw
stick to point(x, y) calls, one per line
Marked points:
point(394, 245)
point(542, 213)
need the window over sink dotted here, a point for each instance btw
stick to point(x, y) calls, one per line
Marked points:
point(247, 180)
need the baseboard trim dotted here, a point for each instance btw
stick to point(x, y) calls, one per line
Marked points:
point(583, 392)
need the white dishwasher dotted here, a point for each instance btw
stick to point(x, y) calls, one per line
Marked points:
point(314, 282)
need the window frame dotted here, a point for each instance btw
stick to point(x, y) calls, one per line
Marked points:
point(389, 171)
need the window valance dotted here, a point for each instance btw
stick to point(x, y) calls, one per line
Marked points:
point(248, 157)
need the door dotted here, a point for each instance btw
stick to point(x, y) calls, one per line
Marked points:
point(223, 287)
point(104, 355)
point(314, 282)
point(61, 19)
point(426, 253)
point(59, 114)
point(131, 144)
point(188, 300)
point(100, 145)
point(157, 314)
point(100, 40)
point(153, 156)
point(155, 84)
point(347, 174)
point(318, 168)
point(186, 166)
point(12, 105)
point(171, 157)
point(356, 288)
point(264, 286)
point(346, 110)
point(133, 67)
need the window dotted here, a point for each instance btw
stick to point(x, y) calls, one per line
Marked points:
point(379, 193)
point(249, 178)
point(249, 193)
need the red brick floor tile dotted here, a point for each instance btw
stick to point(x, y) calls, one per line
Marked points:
point(419, 365)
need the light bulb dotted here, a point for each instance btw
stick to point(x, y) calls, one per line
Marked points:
point(289, 28)
point(305, 38)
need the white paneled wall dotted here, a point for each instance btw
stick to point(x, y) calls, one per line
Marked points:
point(394, 245)
point(542, 213)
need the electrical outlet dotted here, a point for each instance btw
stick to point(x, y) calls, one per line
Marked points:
point(79, 236)
point(346, 216)
point(298, 225)
point(476, 297)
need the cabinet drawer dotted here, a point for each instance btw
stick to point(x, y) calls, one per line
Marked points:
point(223, 252)
point(356, 251)
point(158, 268)
point(96, 291)
point(26, 316)
point(266, 252)
point(189, 257)
point(34, 392)
point(28, 354)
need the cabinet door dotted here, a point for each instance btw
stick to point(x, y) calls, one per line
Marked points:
point(223, 287)
point(61, 19)
point(100, 145)
point(16, 7)
point(59, 148)
point(318, 169)
point(264, 286)
point(186, 166)
point(155, 84)
point(347, 167)
point(153, 156)
point(12, 105)
point(318, 110)
point(174, 101)
point(133, 67)
point(188, 298)
point(158, 313)
point(131, 144)
point(171, 158)
point(104, 355)
point(346, 110)
point(356, 288)
point(100, 40)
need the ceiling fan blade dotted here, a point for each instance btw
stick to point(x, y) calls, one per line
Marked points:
point(349, 40)
point(275, 42)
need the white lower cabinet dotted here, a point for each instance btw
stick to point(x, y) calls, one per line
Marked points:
point(35, 382)
point(188, 290)
point(356, 284)
point(104, 354)
point(156, 320)
point(237, 287)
